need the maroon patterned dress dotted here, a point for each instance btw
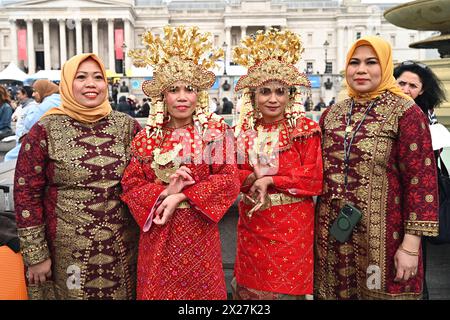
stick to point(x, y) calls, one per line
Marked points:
point(392, 180)
point(181, 259)
point(67, 199)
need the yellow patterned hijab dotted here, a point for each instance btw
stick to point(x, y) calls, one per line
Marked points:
point(384, 53)
point(69, 106)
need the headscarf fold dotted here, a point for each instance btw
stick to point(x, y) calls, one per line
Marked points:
point(384, 53)
point(71, 107)
point(45, 88)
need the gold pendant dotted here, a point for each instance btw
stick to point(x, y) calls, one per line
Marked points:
point(162, 160)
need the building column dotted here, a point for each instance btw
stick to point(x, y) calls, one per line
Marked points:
point(47, 53)
point(62, 42)
point(228, 41)
point(127, 41)
point(340, 49)
point(243, 32)
point(112, 64)
point(30, 47)
point(14, 51)
point(79, 36)
point(94, 36)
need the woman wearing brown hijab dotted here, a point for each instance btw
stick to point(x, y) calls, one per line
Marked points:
point(77, 238)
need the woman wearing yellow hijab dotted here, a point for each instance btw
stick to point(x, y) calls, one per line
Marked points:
point(380, 192)
point(77, 238)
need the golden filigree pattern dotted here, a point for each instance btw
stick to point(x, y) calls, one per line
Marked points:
point(33, 240)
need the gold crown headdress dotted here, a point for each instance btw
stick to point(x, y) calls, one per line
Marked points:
point(185, 54)
point(270, 56)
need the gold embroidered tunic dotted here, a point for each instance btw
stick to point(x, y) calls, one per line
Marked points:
point(66, 193)
point(392, 180)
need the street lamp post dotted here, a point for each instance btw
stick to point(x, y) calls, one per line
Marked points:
point(325, 45)
point(224, 46)
point(124, 49)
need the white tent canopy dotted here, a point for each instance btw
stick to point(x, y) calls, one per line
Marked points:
point(52, 75)
point(12, 72)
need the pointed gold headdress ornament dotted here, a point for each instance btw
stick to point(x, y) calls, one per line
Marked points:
point(184, 54)
point(270, 56)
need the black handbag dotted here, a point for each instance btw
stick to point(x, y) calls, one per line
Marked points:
point(444, 205)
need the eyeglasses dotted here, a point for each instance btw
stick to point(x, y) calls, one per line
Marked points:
point(413, 63)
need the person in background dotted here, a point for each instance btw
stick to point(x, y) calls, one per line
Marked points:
point(77, 238)
point(27, 104)
point(6, 112)
point(46, 94)
point(419, 82)
point(227, 107)
point(380, 185)
point(332, 101)
point(125, 106)
point(321, 105)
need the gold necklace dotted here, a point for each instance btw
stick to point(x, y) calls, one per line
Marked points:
point(161, 160)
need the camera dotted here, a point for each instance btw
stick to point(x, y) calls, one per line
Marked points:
point(345, 222)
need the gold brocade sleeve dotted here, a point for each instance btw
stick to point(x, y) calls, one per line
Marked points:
point(35, 244)
point(422, 228)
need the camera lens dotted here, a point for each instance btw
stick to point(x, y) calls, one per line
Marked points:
point(343, 223)
point(347, 210)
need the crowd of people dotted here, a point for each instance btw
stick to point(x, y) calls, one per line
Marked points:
point(338, 209)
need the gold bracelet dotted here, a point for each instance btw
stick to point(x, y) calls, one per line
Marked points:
point(411, 253)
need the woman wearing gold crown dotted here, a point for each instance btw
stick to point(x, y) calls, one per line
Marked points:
point(178, 184)
point(280, 166)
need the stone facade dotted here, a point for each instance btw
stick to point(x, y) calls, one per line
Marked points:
point(58, 29)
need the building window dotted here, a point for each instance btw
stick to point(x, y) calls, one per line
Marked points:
point(358, 35)
point(40, 36)
point(234, 40)
point(393, 40)
point(310, 38)
point(330, 38)
point(329, 67)
point(412, 38)
point(6, 41)
point(309, 67)
point(216, 40)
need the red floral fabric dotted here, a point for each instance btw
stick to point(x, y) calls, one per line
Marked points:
point(182, 259)
point(275, 245)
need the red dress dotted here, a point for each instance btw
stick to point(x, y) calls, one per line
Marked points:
point(392, 180)
point(181, 259)
point(275, 245)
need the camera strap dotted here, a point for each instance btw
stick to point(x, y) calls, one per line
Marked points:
point(348, 130)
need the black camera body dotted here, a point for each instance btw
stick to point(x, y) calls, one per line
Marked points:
point(345, 222)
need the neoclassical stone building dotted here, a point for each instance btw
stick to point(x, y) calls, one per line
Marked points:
point(42, 34)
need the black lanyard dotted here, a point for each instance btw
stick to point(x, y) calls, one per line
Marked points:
point(348, 129)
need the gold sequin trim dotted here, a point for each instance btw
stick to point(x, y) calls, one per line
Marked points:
point(21, 181)
point(27, 147)
point(38, 169)
point(33, 244)
point(25, 214)
point(422, 228)
point(413, 146)
point(429, 198)
point(427, 161)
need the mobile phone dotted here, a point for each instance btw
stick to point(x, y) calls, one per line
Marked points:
point(345, 222)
